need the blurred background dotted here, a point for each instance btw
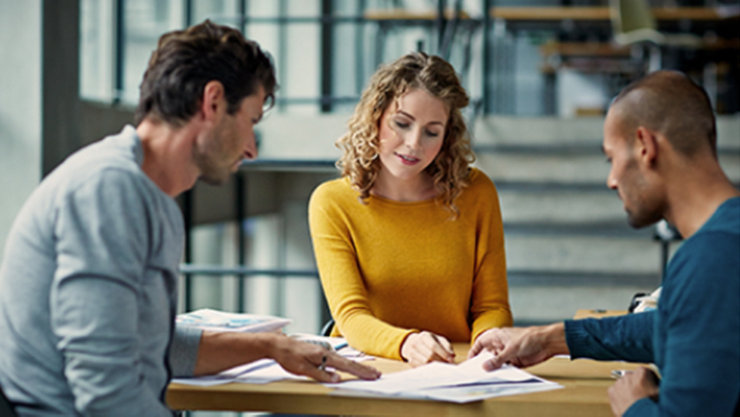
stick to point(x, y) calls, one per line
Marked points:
point(540, 74)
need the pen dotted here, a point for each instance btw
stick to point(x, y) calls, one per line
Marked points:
point(439, 342)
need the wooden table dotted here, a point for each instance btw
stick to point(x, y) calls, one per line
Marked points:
point(585, 313)
point(584, 394)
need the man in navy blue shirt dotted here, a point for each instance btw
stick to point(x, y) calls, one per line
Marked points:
point(660, 139)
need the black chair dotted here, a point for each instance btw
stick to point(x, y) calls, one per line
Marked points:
point(327, 328)
point(6, 409)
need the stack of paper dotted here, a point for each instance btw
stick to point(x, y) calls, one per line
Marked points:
point(267, 370)
point(456, 383)
point(215, 320)
point(461, 383)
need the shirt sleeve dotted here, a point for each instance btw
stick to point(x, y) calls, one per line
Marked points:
point(700, 314)
point(627, 337)
point(184, 350)
point(343, 286)
point(93, 300)
point(490, 298)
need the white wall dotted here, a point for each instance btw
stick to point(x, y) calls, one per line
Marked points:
point(20, 106)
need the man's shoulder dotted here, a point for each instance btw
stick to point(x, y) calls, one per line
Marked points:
point(121, 150)
point(719, 237)
point(110, 165)
point(726, 219)
point(710, 256)
point(115, 156)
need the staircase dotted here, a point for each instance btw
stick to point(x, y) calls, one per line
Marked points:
point(568, 243)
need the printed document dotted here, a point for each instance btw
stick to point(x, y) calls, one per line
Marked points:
point(461, 383)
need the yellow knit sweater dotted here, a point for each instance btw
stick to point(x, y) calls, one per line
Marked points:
point(390, 268)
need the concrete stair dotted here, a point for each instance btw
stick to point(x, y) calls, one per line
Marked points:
point(568, 244)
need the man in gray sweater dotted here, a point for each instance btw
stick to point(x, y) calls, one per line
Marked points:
point(89, 278)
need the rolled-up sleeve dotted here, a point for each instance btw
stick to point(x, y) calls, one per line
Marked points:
point(184, 351)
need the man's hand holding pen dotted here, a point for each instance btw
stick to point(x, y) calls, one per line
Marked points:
point(632, 386)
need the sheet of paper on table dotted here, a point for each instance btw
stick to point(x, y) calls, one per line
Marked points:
point(461, 383)
point(267, 370)
point(455, 383)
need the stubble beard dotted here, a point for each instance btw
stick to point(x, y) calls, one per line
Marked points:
point(211, 172)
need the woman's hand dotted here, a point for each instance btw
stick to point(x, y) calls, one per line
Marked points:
point(425, 347)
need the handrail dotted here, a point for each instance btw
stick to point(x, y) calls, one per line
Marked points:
point(196, 269)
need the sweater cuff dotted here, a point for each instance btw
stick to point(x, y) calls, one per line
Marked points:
point(576, 336)
point(408, 333)
point(641, 407)
point(184, 350)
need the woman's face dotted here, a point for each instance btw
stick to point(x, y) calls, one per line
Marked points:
point(411, 133)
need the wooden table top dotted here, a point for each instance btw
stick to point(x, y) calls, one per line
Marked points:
point(585, 384)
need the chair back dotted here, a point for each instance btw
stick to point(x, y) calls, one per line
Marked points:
point(327, 328)
point(631, 15)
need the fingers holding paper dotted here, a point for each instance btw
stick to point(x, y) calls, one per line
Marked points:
point(520, 346)
point(425, 347)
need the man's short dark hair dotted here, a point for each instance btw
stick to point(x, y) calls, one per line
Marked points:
point(669, 102)
point(186, 60)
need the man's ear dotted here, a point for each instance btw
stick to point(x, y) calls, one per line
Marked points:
point(213, 103)
point(647, 144)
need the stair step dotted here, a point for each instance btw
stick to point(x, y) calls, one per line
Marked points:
point(572, 204)
point(548, 253)
point(570, 278)
point(615, 230)
point(551, 303)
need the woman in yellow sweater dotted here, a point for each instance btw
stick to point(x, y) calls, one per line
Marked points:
point(409, 242)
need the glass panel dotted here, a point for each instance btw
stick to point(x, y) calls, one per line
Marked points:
point(300, 72)
point(263, 8)
point(96, 50)
point(224, 12)
point(144, 22)
point(301, 8)
point(345, 7)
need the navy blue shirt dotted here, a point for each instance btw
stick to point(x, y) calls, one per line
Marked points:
point(694, 335)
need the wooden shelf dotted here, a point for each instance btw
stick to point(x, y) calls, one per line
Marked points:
point(602, 13)
point(405, 15)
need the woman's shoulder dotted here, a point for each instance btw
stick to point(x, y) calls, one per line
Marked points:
point(334, 190)
point(336, 185)
point(480, 181)
point(480, 192)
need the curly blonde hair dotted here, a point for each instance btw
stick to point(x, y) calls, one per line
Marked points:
point(360, 145)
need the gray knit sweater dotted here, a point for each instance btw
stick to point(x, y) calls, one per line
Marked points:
point(88, 290)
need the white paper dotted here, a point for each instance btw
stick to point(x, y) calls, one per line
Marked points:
point(267, 370)
point(216, 320)
point(461, 383)
point(465, 382)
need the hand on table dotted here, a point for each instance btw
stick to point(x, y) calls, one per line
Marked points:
point(425, 347)
point(631, 387)
point(520, 346)
point(314, 361)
